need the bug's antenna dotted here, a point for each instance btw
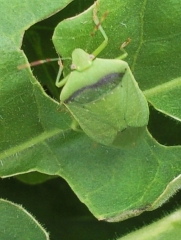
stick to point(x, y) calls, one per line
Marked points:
point(38, 62)
point(35, 63)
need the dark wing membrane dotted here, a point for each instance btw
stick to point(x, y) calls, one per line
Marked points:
point(97, 90)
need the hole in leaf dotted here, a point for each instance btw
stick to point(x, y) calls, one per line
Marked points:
point(164, 129)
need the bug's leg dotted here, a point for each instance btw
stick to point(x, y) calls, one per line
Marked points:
point(125, 54)
point(75, 126)
point(59, 83)
point(99, 27)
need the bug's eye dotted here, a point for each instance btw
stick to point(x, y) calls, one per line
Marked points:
point(91, 56)
point(73, 67)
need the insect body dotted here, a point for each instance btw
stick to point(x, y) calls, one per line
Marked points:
point(105, 100)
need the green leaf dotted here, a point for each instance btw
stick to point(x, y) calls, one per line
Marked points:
point(17, 223)
point(167, 228)
point(114, 183)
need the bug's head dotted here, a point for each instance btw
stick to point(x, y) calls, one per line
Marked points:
point(81, 60)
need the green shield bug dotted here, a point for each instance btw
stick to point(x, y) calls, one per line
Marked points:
point(103, 96)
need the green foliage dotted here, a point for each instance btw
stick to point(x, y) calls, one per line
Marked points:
point(167, 228)
point(17, 223)
point(114, 183)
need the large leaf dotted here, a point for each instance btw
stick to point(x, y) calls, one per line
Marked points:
point(114, 183)
point(167, 228)
point(17, 223)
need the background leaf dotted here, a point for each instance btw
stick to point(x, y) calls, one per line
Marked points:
point(35, 133)
point(17, 223)
point(166, 228)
